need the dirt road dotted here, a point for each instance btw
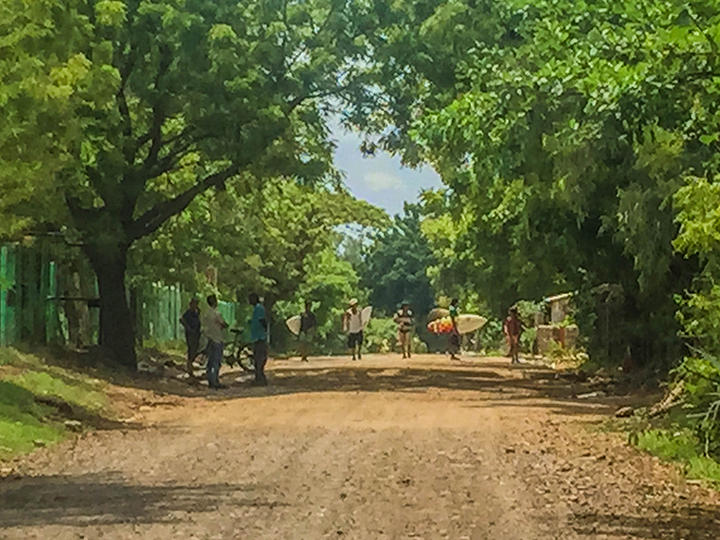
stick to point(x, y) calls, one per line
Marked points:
point(378, 449)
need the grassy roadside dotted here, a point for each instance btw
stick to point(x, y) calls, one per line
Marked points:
point(671, 440)
point(42, 404)
point(681, 446)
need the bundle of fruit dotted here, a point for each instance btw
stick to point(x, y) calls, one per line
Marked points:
point(440, 326)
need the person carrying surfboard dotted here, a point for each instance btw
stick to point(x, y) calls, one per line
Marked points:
point(308, 326)
point(513, 329)
point(353, 325)
point(454, 338)
point(404, 320)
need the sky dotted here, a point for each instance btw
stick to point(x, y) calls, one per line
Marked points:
point(381, 180)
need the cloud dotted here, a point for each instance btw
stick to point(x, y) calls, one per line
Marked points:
point(381, 181)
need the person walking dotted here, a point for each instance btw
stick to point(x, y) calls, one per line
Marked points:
point(513, 329)
point(404, 320)
point(190, 320)
point(258, 337)
point(308, 327)
point(454, 338)
point(214, 327)
point(353, 325)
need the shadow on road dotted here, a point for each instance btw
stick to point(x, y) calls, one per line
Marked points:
point(675, 523)
point(106, 499)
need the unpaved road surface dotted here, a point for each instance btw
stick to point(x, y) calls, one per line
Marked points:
point(378, 449)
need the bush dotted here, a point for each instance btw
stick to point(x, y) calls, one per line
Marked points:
point(701, 381)
point(380, 335)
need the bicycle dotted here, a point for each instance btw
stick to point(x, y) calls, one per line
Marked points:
point(239, 353)
point(236, 353)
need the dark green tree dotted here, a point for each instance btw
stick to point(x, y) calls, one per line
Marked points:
point(396, 263)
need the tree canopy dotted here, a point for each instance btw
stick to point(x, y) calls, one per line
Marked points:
point(119, 113)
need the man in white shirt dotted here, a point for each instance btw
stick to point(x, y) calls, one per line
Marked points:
point(353, 325)
point(213, 326)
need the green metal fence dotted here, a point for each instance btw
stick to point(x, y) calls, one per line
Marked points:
point(34, 309)
point(27, 278)
point(159, 308)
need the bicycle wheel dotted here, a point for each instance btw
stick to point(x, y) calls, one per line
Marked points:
point(245, 361)
point(230, 358)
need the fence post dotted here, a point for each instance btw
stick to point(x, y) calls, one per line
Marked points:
point(4, 288)
point(51, 311)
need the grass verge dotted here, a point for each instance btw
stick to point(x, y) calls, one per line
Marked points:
point(41, 404)
point(680, 446)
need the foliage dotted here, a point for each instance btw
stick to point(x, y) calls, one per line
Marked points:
point(395, 267)
point(680, 445)
point(380, 335)
point(266, 240)
point(119, 113)
point(562, 150)
point(329, 284)
point(492, 337)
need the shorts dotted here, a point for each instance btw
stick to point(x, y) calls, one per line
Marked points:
point(307, 336)
point(355, 339)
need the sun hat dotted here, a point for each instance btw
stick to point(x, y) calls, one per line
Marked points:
point(353, 302)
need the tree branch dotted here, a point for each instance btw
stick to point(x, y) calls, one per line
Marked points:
point(151, 220)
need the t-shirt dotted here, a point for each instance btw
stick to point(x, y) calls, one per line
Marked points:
point(404, 320)
point(454, 312)
point(191, 318)
point(257, 331)
point(513, 326)
point(355, 325)
point(213, 323)
point(307, 321)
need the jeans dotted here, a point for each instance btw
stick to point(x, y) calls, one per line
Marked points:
point(214, 359)
point(260, 353)
point(193, 347)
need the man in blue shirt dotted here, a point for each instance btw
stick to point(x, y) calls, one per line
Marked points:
point(258, 337)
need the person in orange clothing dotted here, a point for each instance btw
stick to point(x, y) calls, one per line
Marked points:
point(512, 328)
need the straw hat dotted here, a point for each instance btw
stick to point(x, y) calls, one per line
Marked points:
point(353, 302)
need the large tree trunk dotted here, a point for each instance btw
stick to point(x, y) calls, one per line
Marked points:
point(116, 322)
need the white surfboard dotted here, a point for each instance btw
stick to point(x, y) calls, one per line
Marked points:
point(365, 315)
point(470, 323)
point(293, 324)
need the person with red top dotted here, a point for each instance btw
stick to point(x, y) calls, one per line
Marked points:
point(512, 328)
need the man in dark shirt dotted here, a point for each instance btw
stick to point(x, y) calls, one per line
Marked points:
point(308, 327)
point(191, 322)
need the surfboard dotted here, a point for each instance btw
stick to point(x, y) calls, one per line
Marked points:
point(293, 324)
point(365, 315)
point(470, 323)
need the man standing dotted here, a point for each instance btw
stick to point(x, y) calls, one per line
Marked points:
point(214, 326)
point(513, 328)
point(353, 325)
point(454, 339)
point(404, 320)
point(258, 337)
point(308, 326)
point(191, 322)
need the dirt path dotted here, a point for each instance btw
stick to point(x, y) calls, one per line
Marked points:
point(378, 449)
